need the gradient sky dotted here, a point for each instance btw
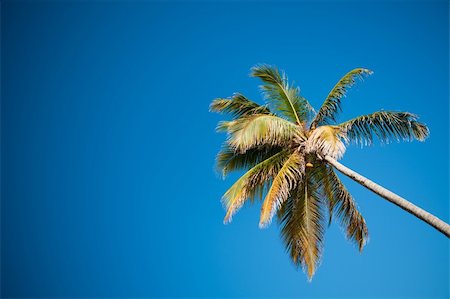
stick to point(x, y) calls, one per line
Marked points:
point(108, 148)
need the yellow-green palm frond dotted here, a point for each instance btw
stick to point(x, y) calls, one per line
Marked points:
point(283, 183)
point(283, 96)
point(238, 105)
point(252, 183)
point(229, 160)
point(302, 225)
point(342, 203)
point(332, 104)
point(326, 141)
point(385, 125)
point(259, 129)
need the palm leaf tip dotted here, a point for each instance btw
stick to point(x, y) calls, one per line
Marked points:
point(238, 105)
point(267, 73)
point(302, 223)
point(420, 131)
point(346, 209)
point(332, 104)
point(227, 219)
point(284, 97)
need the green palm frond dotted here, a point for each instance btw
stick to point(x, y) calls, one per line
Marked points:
point(332, 104)
point(228, 160)
point(385, 125)
point(259, 129)
point(252, 183)
point(302, 225)
point(238, 106)
point(286, 179)
point(345, 208)
point(284, 97)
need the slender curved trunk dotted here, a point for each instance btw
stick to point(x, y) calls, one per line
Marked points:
point(392, 197)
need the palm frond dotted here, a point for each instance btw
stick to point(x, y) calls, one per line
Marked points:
point(286, 180)
point(238, 105)
point(332, 104)
point(326, 184)
point(302, 226)
point(346, 209)
point(283, 96)
point(326, 141)
point(228, 160)
point(252, 183)
point(259, 129)
point(385, 125)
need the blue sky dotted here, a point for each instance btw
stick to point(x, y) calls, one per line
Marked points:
point(108, 148)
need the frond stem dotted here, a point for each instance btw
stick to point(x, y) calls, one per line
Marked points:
point(290, 103)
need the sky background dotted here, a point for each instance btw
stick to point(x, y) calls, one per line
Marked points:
point(108, 187)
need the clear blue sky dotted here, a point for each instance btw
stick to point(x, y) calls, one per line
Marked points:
point(108, 148)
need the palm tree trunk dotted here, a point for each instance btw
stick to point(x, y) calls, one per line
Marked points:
point(392, 197)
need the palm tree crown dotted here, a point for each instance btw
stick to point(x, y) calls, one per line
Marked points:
point(282, 145)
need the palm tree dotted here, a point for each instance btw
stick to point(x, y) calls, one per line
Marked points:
point(290, 151)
